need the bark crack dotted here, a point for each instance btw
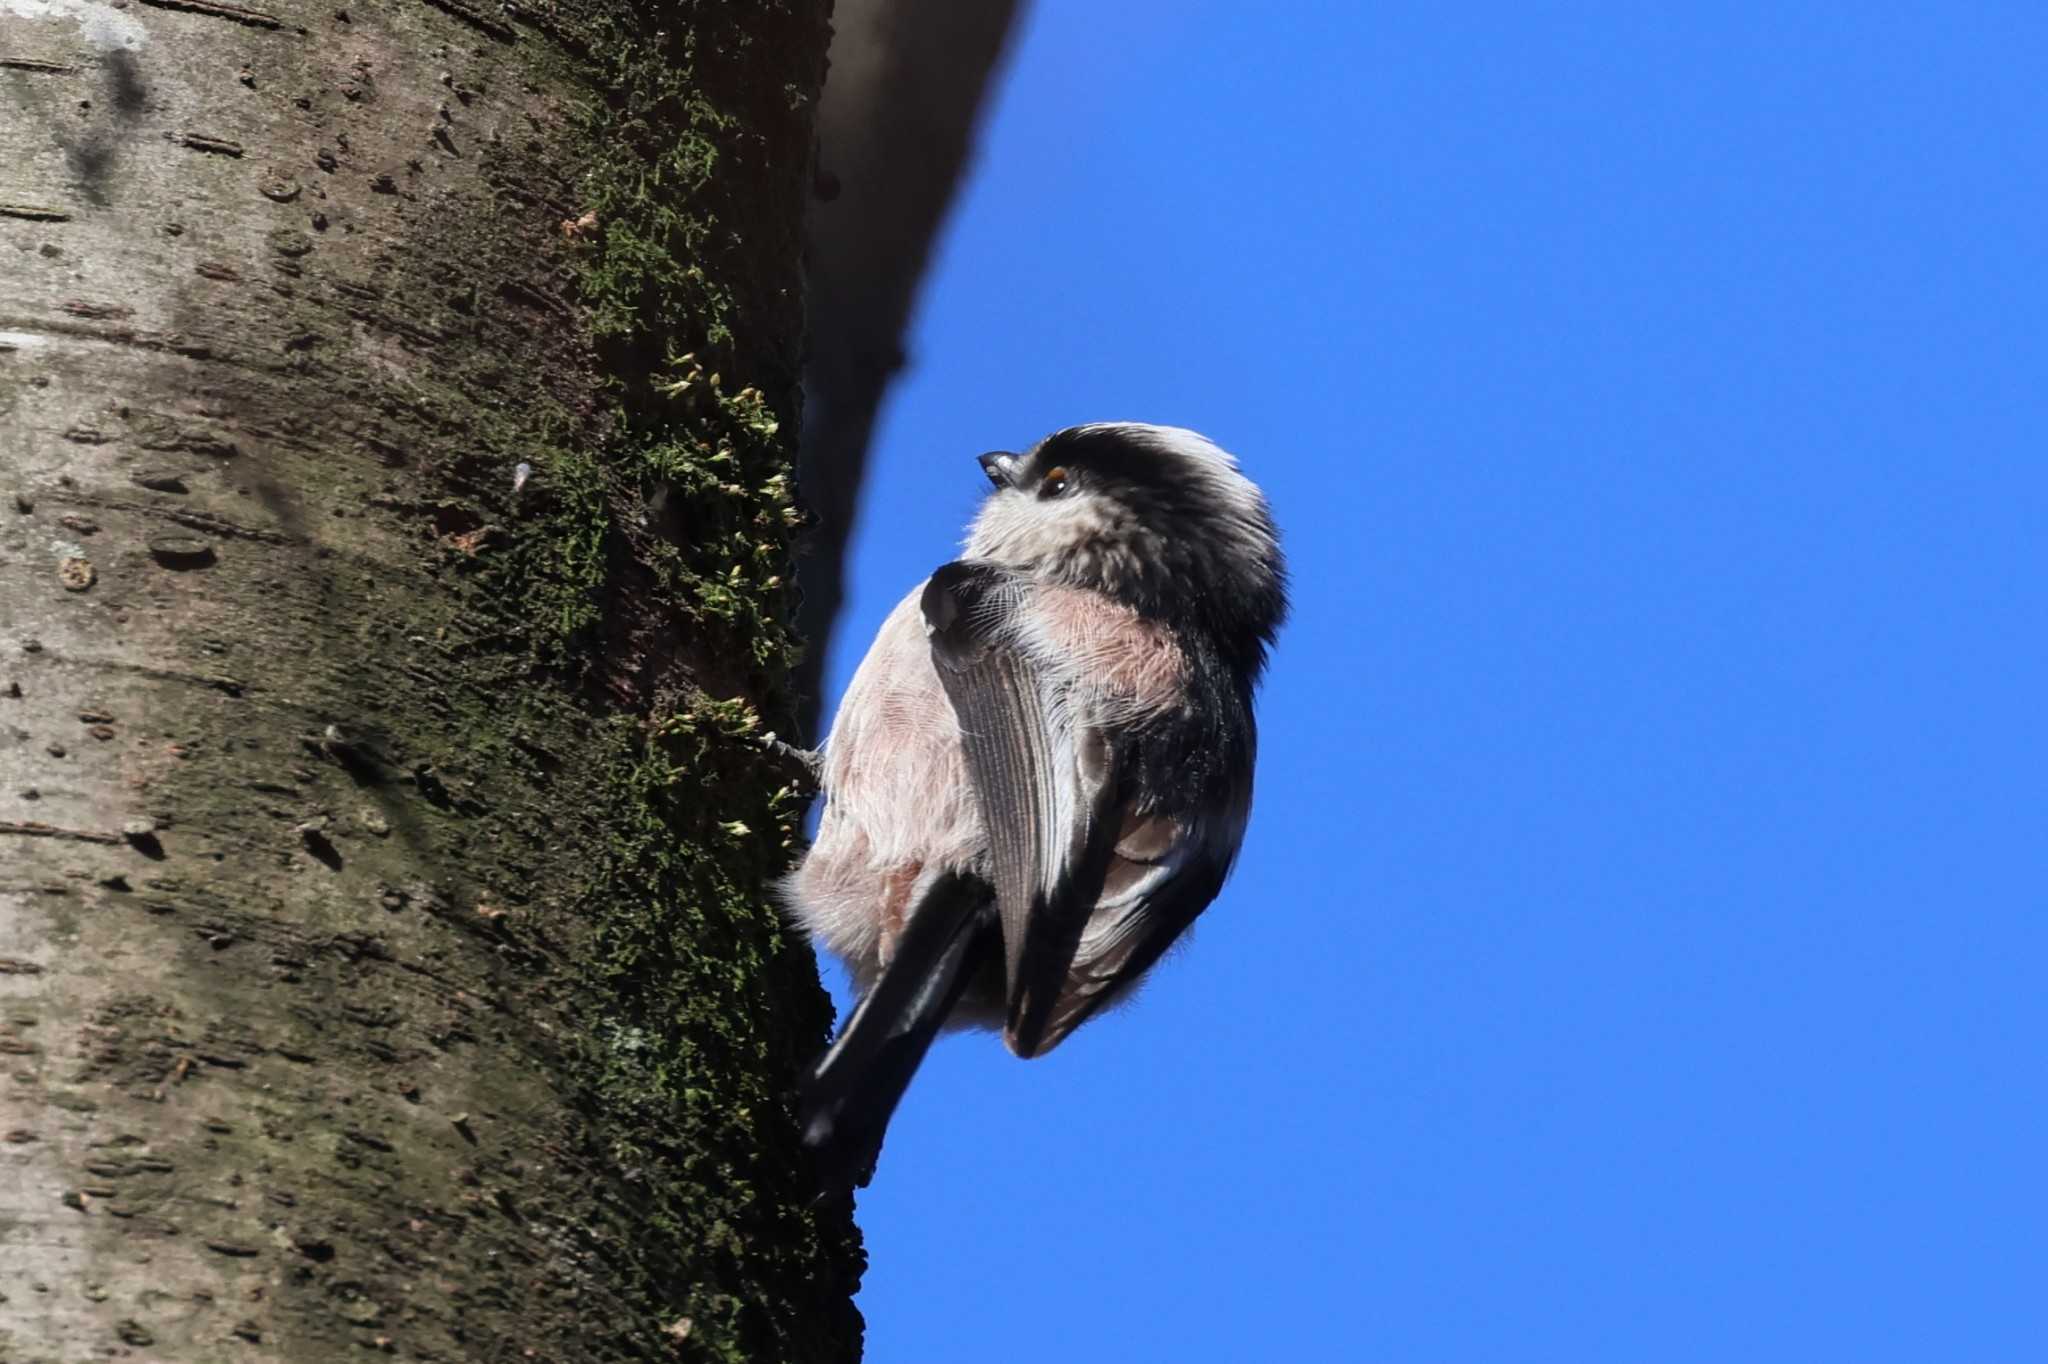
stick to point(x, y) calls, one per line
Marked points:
point(233, 13)
point(37, 829)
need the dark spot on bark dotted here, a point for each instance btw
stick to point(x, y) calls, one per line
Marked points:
point(213, 146)
point(124, 82)
point(320, 845)
point(362, 766)
point(280, 504)
point(233, 1248)
point(93, 158)
point(452, 518)
point(429, 783)
point(181, 553)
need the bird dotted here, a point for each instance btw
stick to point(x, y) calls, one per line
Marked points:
point(1041, 771)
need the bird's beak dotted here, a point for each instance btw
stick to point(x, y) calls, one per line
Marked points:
point(1001, 468)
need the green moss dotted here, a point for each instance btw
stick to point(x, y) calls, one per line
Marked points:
point(659, 529)
point(692, 480)
point(689, 1062)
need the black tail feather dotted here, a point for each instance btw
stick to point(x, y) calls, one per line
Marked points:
point(850, 1095)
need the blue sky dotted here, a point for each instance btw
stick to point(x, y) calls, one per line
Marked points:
point(1638, 949)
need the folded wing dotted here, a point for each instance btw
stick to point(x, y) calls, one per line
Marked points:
point(1089, 892)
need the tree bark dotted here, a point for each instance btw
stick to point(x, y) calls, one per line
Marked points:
point(396, 407)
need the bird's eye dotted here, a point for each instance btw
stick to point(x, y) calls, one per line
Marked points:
point(1055, 482)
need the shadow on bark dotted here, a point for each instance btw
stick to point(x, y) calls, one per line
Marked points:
point(907, 84)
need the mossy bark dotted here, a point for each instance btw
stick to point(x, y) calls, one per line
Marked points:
point(396, 402)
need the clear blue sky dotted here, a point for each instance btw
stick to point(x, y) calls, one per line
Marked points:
point(1640, 950)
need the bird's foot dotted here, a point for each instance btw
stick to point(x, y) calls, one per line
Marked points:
point(803, 767)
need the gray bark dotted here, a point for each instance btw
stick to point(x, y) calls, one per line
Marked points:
point(386, 607)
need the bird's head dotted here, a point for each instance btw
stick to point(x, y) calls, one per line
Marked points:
point(1155, 516)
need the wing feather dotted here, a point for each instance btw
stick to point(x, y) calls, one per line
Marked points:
point(1091, 890)
point(1045, 778)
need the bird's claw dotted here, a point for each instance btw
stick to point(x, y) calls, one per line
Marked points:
point(803, 766)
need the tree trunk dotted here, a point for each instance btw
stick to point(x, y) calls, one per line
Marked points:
point(396, 404)
point(895, 134)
